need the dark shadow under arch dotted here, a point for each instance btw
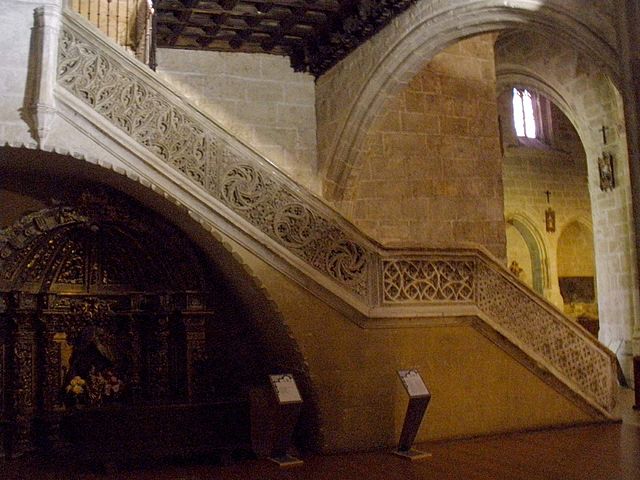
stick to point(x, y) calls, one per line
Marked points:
point(35, 177)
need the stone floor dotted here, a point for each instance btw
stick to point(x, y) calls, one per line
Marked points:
point(603, 451)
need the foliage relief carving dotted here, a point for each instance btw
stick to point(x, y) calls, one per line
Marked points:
point(169, 133)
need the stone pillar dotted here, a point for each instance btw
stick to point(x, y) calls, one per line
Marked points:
point(629, 48)
point(46, 32)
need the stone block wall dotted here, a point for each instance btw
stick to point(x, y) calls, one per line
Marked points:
point(430, 168)
point(590, 100)
point(530, 170)
point(353, 91)
point(257, 97)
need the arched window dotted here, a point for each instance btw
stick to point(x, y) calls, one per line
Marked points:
point(524, 118)
point(532, 117)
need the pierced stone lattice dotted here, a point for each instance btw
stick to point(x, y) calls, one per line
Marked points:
point(408, 281)
point(547, 334)
point(182, 142)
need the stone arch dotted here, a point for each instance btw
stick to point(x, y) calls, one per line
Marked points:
point(570, 80)
point(262, 312)
point(581, 224)
point(577, 262)
point(394, 56)
point(537, 250)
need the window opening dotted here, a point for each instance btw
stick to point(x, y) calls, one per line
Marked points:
point(524, 118)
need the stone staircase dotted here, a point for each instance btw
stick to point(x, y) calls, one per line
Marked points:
point(168, 144)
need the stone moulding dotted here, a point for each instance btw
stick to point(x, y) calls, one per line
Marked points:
point(326, 251)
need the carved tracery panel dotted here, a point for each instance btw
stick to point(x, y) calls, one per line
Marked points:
point(418, 280)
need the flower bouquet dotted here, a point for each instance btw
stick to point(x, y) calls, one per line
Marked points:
point(76, 392)
point(104, 387)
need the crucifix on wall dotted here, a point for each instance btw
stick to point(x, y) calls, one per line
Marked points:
point(549, 215)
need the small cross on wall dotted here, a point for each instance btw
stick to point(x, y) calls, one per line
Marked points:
point(549, 215)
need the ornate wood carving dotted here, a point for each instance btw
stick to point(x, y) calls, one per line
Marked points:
point(158, 359)
point(4, 372)
point(95, 246)
point(24, 380)
point(195, 353)
point(314, 34)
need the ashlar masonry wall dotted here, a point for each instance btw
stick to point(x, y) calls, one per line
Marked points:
point(558, 166)
point(430, 170)
point(257, 97)
point(589, 98)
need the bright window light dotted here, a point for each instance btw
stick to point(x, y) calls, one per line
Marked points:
point(523, 116)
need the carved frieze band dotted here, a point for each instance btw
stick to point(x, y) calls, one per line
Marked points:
point(547, 335)
point(425, 280)
point(242, 185)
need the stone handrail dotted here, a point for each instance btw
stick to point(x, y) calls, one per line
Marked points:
point(328, 253)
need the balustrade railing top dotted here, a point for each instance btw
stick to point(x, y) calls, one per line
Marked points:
point(308, 232)
point(129, 23)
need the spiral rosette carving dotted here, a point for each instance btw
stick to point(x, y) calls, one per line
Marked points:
point(294, 225)
point(428, 281)
point(243, 187)
point(549, 335)
point(346, 261)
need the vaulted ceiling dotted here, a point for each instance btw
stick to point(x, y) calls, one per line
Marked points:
point(315, 34)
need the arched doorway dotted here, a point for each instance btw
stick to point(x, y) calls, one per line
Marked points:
point(577, 275)
point(525, 249)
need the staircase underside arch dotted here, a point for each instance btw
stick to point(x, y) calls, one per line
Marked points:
point(90, 212)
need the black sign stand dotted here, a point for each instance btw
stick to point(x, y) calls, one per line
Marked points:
point(285, 415)
point(419, 398)
point(636, 381)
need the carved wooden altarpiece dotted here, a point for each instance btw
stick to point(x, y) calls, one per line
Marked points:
point(97, 287)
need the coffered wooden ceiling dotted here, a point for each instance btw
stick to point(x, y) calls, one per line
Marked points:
point(315, 34)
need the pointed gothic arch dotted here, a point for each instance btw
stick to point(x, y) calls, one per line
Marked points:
point(394, 57)
point(537, 250)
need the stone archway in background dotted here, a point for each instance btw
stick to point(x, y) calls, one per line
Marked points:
point(589, 99)
point(538, 259)
point(352, 94)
